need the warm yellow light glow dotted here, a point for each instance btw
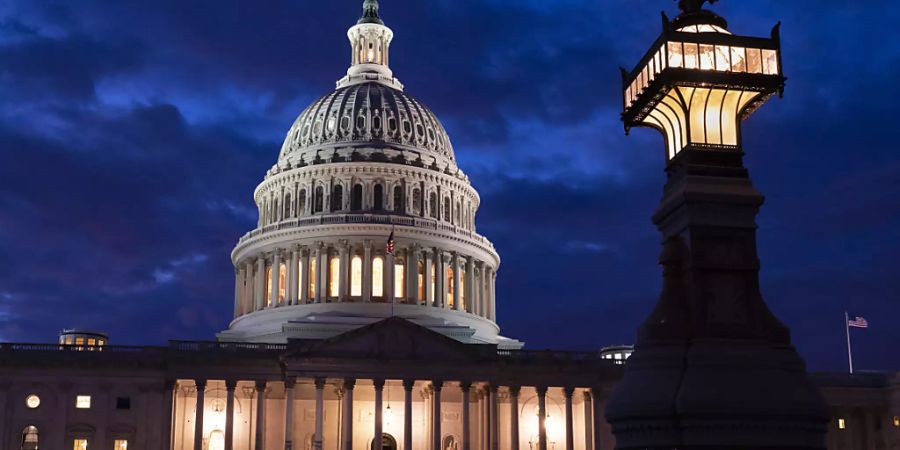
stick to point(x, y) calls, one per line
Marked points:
point(842, 424)
point(398, 280)
point(83, 401)
point(32, 401)
point(433, 281)
point(388, 415)
point(896, 421)
point(450, 300)
point(334, 272)
point(378, 277)
point(282, 282)
point(300, 276)
point(268, 283)
point(312, 278)
point(216, 440)
point(122, 444)
point(80, 444)
point(356, 276)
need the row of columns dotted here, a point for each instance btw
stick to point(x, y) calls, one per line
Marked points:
point(472, 286)
point(487, 398)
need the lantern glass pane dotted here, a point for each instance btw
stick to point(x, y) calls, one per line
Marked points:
point(738, 59)
point(676, 56)
point(723, 58)
point(707, 58)
point(691, 56)
point(770, 62)
point(754, 60)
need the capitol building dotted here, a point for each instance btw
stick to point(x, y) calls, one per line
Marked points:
point(365, 317)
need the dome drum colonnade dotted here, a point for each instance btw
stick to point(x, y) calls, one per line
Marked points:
point(362, 163)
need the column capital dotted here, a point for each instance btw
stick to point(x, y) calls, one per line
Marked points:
point(230, 384)
point(379, 384)
point(587, 395)
point(201, 384)
point(436, 385)
point(289, 382)
point(541, 390)
point(514, 391)
point(408, 385)
point(568, 391)
point(320, 382)
point(465, 386)
point(349, 383)
point(260, 385)
point(493, 388)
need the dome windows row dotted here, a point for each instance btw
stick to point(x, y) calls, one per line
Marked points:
point(358, 196)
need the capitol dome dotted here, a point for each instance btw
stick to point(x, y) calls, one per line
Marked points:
point(365, 215)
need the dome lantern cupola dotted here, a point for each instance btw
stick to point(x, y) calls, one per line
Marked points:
point(370, 42)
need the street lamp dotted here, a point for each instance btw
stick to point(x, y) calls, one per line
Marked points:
point(698, 81)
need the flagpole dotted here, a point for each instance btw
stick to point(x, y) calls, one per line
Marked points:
point(849, 351)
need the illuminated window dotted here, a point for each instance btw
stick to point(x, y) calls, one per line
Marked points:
point(82, 401)
point(79, 341)
point(896, 421)
point(282, 282)
point(356, 276)
point(312, 278)
point(769, 62)
point(216, 440)
point(32, 401)
point(738, 59)
point(80, 444)
point(268, 282)
point(122, 444)
point(378, 277)
point(300, 276)
point(433, 281)
point(91, 342)
point(842, 424)
point(398, 279)
point(420, 282)
point(462, 289)
point(30, 438)
point(450, 300)
point(707, 57)
point(754, 60)
point(334, 271)
point(69, 340)
point(691, 56)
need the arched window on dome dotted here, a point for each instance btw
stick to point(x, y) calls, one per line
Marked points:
point(301, 200)
point(420, 282)
point(287, 206)
point(268, 282)
point(417, 201)
point(378, 277)
point(282, 282)
point(30, 438)
point(337, 198)
point(447, 210)
point(356, 197)
point(334, 278)
point(399, 277)
point(356, 276)
point(433, 205)
point(449, 285)
point(378, 200)
point(399, 207)
point(275, 211)
point(458, 213)
point(318, 202)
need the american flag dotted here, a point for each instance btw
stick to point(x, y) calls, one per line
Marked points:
point(857, 321)
point(390, 243)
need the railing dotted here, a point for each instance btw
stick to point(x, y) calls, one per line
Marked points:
point(385, 219)
point(29, 347)
point(206, 346)
point(548, 355)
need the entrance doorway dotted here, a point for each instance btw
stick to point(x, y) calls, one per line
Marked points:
point(387, 443)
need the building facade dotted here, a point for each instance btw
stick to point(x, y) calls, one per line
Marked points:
point(365, 316)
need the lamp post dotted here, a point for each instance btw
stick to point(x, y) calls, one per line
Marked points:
point(713, 367)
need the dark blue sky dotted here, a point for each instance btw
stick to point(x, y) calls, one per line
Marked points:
point(133, 133)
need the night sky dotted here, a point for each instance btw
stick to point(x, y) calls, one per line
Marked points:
point(132, 135)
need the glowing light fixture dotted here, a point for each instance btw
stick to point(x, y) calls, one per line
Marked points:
point(698, 81)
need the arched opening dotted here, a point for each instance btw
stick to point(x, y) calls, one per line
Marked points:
point(399, 207)
point(268, 282)
point(337, 198)
point(312, 280)
point(447, 209)
point(282, 282)
point(449, 289)
point(216, 440)
point(356, 276)
point(301, 210)
point(334, 271)
point(449, 443)
point(30, 438)
point(417, 202)
point(287, 206)
point(356, 196)
point(432, 206)
point(378, 277)
point(399, 278)
point(275, 211)
point(387, 443)
point(318, 204)
point(378, 200)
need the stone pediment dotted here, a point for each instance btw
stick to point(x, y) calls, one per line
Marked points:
point(394, 338)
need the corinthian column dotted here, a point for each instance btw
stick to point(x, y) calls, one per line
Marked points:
point(275, 280)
